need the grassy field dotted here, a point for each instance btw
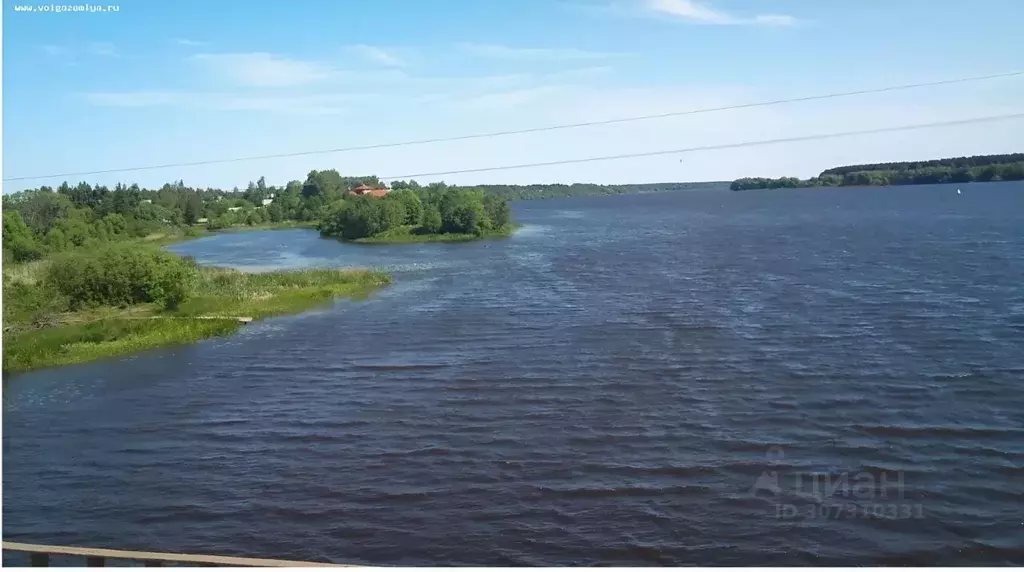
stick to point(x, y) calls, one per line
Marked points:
point(406, 235)
point(35, 336)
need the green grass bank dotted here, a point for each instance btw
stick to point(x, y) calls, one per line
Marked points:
point(40, 332)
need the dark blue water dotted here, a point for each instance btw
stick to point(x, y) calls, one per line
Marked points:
point(830, 377)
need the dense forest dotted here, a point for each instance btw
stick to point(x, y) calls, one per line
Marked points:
point(981, 168)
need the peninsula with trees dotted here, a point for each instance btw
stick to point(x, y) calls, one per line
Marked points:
point(980, 168)
point(84, 276)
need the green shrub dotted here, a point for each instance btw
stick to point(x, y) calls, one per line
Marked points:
point(122, 275)
point(20, 245)
point(30, 303)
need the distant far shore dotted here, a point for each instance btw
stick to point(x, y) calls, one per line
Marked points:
point(979, 168)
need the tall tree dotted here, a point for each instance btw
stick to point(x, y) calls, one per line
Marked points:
point(193, 208)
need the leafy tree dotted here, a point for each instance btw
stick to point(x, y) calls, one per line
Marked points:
point(274, 212)
point(19, 240)
point(111, 227)
point(411, 203)
point(327, 185)
point(432, 223)
point(462, 211)
point(497, 210)
point(56, 241)
point(361, 217)
point(40, 209)
point(254, 217)
point(124, 200)
point(463, 217)
point(193, 208)
point(404, 185)
point(75, 229)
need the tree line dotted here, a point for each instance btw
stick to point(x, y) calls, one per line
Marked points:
point(982, 168)
point(556, 191)
point(953, 162)
point(44, 221)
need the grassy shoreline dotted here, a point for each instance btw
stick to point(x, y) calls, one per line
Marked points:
point(47, 336)
point(192, 233)
point(223, 294)
point(406, 235)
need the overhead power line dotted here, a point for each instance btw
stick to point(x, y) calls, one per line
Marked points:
point(527, 130)
point(717, 147)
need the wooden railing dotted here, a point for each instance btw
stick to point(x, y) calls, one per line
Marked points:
point(39, 555)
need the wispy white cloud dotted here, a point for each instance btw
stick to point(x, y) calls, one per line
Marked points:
point(377, 55)
point(301, 104)
point(698, 12)
point(511, 98)
point(500, 90)
point(56, 50)
point(776, 20)
point(134, 98)
point(262, 69)
point(190, 43)
point(581, 73)
point(498, 51)
point(103, 49)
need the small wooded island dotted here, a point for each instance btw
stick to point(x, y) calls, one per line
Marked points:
point(417, 215)
point(981, 168)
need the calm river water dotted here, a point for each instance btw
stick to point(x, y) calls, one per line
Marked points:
point(830, 377)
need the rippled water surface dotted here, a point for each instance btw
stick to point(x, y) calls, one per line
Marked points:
point(656, 379)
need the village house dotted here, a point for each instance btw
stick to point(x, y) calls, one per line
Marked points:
point(365, 190)
point(234, 209)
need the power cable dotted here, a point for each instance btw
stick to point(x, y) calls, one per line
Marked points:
point(717, 147)
point(522, 131)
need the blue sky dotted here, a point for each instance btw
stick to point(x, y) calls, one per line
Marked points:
point(163, 81)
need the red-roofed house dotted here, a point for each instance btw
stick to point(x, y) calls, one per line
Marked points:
point(364, 190)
